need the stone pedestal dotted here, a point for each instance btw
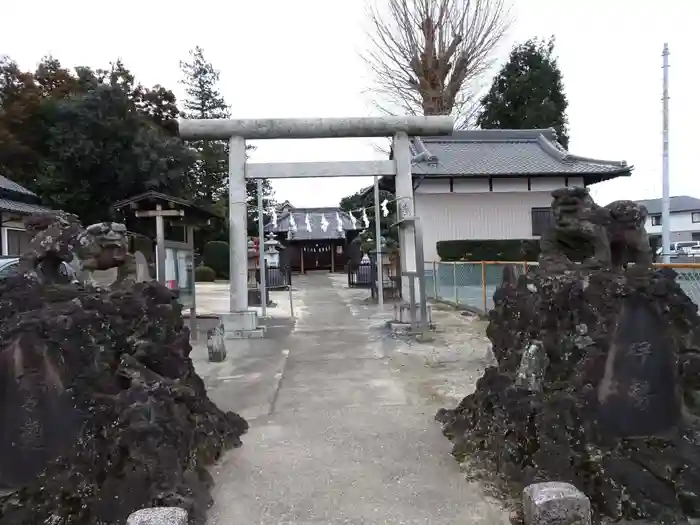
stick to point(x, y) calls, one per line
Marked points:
point(402, 314)
point(242, 325)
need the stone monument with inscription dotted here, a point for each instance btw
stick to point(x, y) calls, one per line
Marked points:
point(598, 375)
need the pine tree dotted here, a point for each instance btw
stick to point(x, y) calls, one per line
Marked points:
point(210, 175)
point(528, 92)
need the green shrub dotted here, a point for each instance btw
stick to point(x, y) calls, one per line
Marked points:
point(204, 274)
point(489, 250)
point(216, 257)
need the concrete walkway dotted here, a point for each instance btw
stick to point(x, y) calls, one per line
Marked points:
point(338, 435)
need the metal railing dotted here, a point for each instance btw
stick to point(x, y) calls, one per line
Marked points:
point(276, 278)
point(361, 276)
point(472, 283)
point(365, 275)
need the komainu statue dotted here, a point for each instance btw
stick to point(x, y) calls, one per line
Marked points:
point(51, 252)
point(102, 412)
point(597, 374)
point(103, 246)
point(62, 251)
point(629, 242)
point(595, 236)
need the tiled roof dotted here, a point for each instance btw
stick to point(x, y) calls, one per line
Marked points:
point(495, 152)
point(315, 219)
point(8, 185)
point(21, 207)
point(679, 204)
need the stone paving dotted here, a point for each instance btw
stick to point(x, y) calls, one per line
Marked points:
point(341, 414)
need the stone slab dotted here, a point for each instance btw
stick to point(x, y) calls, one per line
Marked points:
point(247, 320)
point(403, 328)
point(638, 393)
point(242, 325)
point(258, 333)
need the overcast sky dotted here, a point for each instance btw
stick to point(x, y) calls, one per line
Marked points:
point(301, 59)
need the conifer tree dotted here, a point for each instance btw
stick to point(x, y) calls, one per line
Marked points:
point(527, 93)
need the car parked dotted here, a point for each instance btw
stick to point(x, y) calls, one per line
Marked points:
point(681, 249)
point(10, 265)
point(693, 251)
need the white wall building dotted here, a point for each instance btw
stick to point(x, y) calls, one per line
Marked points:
point(15, 203)
point(685, 219)
point(495, 184)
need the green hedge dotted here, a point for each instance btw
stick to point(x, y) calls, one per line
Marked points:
point(216, 257)
point(204, 274)
point(489, 250)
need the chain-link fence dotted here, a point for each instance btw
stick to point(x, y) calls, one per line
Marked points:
point(472, 284)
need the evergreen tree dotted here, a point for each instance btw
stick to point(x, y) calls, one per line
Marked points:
point(209, 175)
point(528, 92)
point(83, 140)
point(208, 178)
point(364, 199)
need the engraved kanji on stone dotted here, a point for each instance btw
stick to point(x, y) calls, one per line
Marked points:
point(639, 392)
point(641, 350)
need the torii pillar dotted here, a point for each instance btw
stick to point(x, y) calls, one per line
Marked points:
point(242, 322)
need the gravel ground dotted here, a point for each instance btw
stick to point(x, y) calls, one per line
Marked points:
point(447, 364)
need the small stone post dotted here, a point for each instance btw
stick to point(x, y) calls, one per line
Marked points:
point(555, 503)
point(158, 516)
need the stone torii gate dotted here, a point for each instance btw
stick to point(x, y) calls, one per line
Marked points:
point(242, 322)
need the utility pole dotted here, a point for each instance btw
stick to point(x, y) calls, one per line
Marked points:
point(665, 196)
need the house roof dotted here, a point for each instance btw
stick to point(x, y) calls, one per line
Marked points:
point(285, 204)
point(679, 204)
point(8, 185)
point(316, 216)
point(21, 208)
point(15, 198)
point(506, 152)
point(151, 197)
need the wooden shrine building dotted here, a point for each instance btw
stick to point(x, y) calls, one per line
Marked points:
point(317, 244)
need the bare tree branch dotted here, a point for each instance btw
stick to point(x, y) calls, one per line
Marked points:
point(427, 56)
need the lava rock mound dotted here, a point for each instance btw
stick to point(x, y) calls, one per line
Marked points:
point(597, 384)
point(101, 411)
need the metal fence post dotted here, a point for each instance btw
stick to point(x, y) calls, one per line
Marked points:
point(483, 284)
point(261, 249)
point(454, 281)
point(435, 280)
point(412, 298)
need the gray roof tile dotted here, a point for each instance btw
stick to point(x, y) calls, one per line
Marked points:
point(679, 204)
point(497, 152)
point(7, 184)
point(315, 217)
point(21, 207)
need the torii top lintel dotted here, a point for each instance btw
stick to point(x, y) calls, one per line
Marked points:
point(295, 128)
